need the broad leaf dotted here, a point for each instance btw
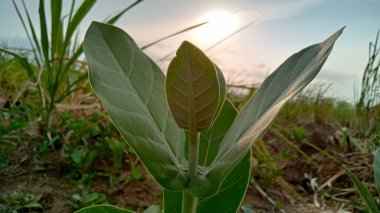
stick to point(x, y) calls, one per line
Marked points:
point(193, 90)
point(131, 87)
point(103, 209)
point(233, 189)
point(284, 83)
point(377, 169)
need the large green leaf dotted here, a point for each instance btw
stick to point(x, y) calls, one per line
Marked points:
point(284, 83)
point(193, 90)
point(233, 189)
point(103, 209)
point(377, 169)
point(131, 87)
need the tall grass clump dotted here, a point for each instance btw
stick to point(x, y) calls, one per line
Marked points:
point(368, 106)
point(370, 91)
point(56, 49)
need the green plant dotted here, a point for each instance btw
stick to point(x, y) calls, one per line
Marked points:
point(56, 69)
point(369, 96)
point(371, 203)
point(117, 147)
point(206, 167)
point(81, 158)
point(20, 202)
point(78, 201)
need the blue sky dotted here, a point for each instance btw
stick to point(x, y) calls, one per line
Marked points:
point(280, 28)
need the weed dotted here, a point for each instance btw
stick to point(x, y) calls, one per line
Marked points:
point(78, 201)
point(20, 202)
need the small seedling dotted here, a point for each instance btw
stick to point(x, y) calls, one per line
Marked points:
point(78, 201)
point(20, 202)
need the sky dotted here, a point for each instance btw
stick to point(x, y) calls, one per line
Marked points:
point(275, 29)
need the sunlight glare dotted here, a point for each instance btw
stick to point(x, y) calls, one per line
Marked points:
point(221, 24)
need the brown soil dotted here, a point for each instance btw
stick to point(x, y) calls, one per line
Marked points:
point(45, 179)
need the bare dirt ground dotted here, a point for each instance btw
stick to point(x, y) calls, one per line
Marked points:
point(45, 178)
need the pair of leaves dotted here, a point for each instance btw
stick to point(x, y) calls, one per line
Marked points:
point(131, 87)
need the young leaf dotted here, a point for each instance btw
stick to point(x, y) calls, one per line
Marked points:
point(131, 87)
point(232, 191)
point(193, 90)
point(284, 83)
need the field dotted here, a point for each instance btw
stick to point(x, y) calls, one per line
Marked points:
point(60, 151)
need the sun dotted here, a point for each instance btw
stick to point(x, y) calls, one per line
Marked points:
point(220, 25)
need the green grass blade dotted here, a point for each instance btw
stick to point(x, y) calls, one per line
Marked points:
point(24, 63)
point(71, 12)
point(73, 24)
point(44, 34)
point(295, 147)
point(75, 43)
point(34, 35)
point(83, 10)
point(71, 88)
point(364, 193)
point(56, 11)
point(173, 34)
point(27, 31)
point(73, 58)
point(121, 13)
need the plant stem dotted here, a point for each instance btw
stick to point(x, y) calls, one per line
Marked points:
point(193, 154)
point(189, 202)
